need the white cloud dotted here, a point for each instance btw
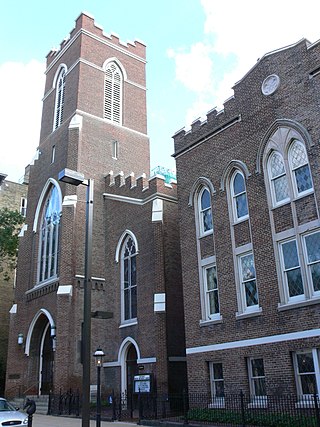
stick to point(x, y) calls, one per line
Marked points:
point(21, 88)
point(243, 31)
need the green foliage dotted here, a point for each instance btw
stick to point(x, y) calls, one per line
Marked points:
point(253, 418)
point(10, 226)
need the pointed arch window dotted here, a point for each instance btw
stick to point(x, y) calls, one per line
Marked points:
point(300, 169)
point(129, 280)
point(239, 196)
point(113, 93)
point(60, 90)
point(205, 212)
point(278, 178)
point(49, 236)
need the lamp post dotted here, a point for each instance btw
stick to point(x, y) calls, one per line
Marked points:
point(75, 178)
point(98, 355)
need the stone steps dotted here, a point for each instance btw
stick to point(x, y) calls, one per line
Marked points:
point(41, 403)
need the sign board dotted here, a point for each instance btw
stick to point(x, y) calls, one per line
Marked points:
point(142, 383)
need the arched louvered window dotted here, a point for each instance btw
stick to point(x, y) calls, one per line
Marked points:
point(128, 279)
point(113, 93)
point(60, 89)
point(278, 178)
point(49, 236)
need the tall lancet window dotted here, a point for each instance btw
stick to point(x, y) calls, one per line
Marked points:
point(60, 89)
point(129, 279)
point(113, 93)
point(49, 236)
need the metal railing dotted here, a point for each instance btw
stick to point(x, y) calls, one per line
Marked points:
point(195, 409)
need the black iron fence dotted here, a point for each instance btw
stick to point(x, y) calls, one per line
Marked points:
point(195, 409)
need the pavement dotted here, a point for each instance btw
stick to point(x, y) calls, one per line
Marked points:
point(39, 420)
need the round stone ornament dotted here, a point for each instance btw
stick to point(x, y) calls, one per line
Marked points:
point(270, 84)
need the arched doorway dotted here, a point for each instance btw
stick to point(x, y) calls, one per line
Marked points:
point(46, 362)
point(40, 349)
point(131, 367)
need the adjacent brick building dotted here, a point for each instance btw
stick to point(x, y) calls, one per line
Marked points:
point(248, 190)
point(13, 196)
point(94, 122)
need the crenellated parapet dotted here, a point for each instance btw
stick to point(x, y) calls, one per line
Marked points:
point(86, 23)
point(140, 187)
point(216, 122)
point(260, 88)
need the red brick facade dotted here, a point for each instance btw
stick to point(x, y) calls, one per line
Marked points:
point(54, 307)
point(257, 121)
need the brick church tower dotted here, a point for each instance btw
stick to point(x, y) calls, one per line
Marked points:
point(94, 121)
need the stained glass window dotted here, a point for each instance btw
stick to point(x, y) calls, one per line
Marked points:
point(248, 280)
point(49, 236)
point(205, 211)
point(278, 177)
point(292, 269)
point(212, 297)
point(300, 167)
point(129, 279)
point(239, 196)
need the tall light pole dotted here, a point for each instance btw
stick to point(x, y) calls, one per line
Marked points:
point(98, 356)
point(75, 178)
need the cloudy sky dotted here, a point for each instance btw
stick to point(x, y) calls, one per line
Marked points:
point(196, 51)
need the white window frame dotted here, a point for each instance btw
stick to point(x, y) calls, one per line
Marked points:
point(242, 302)
point(292, 171)
point(296, 298)
point(308, 264)
point(273, 178)
point(202, 231)
point(304, 264)
point(316, 363)
point(23, 206)
point(207, 263)
point(216, 401)
point(113, 93)
point(256, 400)
point(53, 154)
point(131, 319)
point(234, 196)
point(115, 149)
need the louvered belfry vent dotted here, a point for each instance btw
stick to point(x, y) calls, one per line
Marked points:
point(113, 93)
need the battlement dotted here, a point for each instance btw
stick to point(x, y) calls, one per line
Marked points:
point(216, 122)
point(248, 97)
point(85, 22)
point(140, 187)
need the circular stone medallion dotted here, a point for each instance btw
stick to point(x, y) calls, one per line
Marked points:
point(270, 84)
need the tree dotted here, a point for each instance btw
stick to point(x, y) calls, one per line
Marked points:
point(10, 226)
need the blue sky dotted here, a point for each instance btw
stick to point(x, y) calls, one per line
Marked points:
point(196, 51)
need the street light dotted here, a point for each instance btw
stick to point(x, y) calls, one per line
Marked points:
point(98, 355)
point(75, 178)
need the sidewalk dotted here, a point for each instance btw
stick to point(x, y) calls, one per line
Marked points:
point(51, 421)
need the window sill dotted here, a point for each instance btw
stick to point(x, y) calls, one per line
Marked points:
point(208, 233)
point(211, 321)
point(263, 403)
point(43, 284)
point(298, 304)
point(308, 402)
point(129, 323)
point(217, 403)
point(248, 314)
point(279, 205)
point(240, 220)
